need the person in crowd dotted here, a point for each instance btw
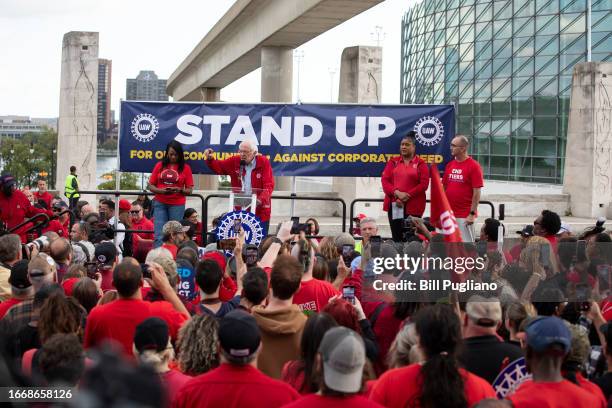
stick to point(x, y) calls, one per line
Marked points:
point(369, 228)
point(313, 226)
point(565, 231)
point(249, 172)
point(404, 180)
point(352, 316)
point(62, 360)
point(146, 204)
point(320, 271)
point(21, 288)
point(10, 254)
point(71, 188)
point(548, 341)
point(313, 294)
point(254, 289)
point(405, 349)
point(489, 235)
point(191, 215)
point(438, 381)
point(85, 210)
point(525, 234)
point(140, 221)
point(236, 382)
point(42, 193)
point(547, 225)
point(340, 362)
point(485, 354)
point(106, 257)
point(107, 212)
point(174, 234)
point(197, 345)
point(61, 252)
point(60, 223)
point(536, 263)
point(118, 320)
point(171, 180)
point(15, 207)
point(280, 321)
point(79, 235)
point(516, 313)
point(462, 183)
point(209, 277)
point(301, 373)
point(86, 292)
point(127, 246)
point(152, 346)
point(605, 381)
point(41, 271)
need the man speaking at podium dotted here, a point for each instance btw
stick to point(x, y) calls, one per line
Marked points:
point(249, 172)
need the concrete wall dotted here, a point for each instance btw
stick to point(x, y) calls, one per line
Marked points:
point(78, 109)
point(588, 163)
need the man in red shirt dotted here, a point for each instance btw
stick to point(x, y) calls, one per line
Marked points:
point(313, 294)
point(236, 382)
point(140, 222)
point(547, 225)
point(174, 235)
point(405, 181)
point(117, 320)
point(42, 193)
point(548, 342)
point(462, 182)
point(249, 172)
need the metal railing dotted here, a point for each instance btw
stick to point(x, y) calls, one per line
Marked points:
point(28, 220)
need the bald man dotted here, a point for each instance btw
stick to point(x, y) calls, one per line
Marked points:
point(250, 172)
point(462, 182)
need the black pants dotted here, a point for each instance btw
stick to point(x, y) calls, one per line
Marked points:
point(72, 203)
point(397, 226)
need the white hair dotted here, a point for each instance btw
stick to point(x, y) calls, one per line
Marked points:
point(250, 144)
point(158, 253)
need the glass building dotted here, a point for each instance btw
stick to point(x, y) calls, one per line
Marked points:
point(507, 68)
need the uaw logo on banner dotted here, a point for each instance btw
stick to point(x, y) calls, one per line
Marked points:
point(448, 223)
point(145, 127)
point(429, 130)
point(510, 378)
point(250, 223)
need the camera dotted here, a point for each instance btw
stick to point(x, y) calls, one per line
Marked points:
point(237, 226)
point(347, 254)
point(348, 293)
point(375, 242)
point(296, 228)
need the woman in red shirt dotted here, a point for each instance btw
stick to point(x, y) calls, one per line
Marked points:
point(405, 181)
point(171, 180)
point(438, 382)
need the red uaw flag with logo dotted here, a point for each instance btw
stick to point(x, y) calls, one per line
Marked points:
point(444, 220)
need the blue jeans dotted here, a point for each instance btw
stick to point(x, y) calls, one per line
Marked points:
point(164, 213)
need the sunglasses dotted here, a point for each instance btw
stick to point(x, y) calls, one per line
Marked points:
point(135, 212)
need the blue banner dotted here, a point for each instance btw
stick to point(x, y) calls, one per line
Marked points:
point(299, 140)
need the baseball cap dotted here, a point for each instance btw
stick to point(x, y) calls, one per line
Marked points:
point(565, 227)
point(68, 285)
point(359, 216)
point(343, 354)
point(527, 231)
point(484, 311)
point(344, 239)
point(124, 205)
point(216, 256)
point(40, 265)
point(544, 332)
point(7, 179)
point(151, 334)
point(60, 204)
point(174, 227)
point(106, 252)
point(239, 335)
point(19, 275)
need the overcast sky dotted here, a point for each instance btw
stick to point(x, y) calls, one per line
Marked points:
point(149, 35)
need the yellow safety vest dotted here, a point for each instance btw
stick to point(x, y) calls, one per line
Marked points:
point(71, 192)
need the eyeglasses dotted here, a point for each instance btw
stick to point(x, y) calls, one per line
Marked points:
point(135, 212)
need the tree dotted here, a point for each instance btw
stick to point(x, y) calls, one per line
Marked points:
point(128, 181)
point(25, 166)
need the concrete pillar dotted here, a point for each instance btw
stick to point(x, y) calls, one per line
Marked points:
point(277, 86)
point(203, 181)
point(588, 162)
point(78, 116)
point(360, 82)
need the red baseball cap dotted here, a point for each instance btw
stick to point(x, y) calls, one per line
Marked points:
point(68, 285)
point(125, 205)
point(217, 257)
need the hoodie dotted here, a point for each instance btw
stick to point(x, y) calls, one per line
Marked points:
point(281, 334)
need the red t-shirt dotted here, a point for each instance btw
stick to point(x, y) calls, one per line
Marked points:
point(320, 401)
point(7, 304)
point(561, 394)
point(400, 388)
point(231, 386)
point(46, 197)
point(143, 224)
point(170, 177)
point(174, 380)
point(591, 387)
point(385, 328)
point(314, 295)
point(117, 321)
point(460, 178)
point(58, 227)
point(172, 248)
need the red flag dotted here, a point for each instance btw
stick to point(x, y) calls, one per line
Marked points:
point(442, 215)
